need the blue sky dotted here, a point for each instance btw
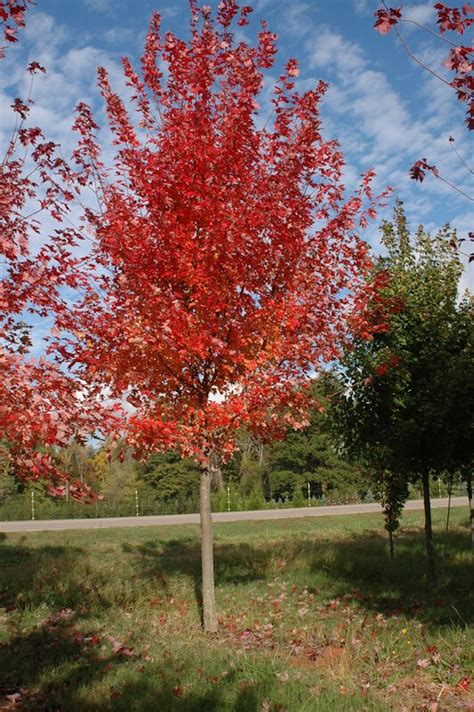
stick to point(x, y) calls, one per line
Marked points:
point(385, 111)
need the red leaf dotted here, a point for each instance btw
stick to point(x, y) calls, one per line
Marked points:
point(386, 19)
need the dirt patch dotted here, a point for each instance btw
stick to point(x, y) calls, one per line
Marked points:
point(330, 656)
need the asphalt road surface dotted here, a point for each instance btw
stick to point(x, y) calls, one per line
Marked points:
point(257, 515)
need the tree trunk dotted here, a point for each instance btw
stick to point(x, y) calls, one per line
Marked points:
point(448, 515)
point(392, 550)
point(430, 557)
point(207, 554)
point(471, 504)
point(450, 492)
point(217, 478)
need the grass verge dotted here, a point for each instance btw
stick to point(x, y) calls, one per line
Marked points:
point(313, 616)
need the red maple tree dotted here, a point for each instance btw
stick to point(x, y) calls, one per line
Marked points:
point(40, 405)
point(229, 262)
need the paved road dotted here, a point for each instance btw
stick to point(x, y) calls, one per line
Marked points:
point(163, 520)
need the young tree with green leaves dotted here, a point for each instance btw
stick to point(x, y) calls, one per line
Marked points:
point(411, 388)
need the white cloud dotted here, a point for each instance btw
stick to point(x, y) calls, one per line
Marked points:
point(118, 35)
point(329, 49)
point(296, 18)
point(101, 5)
point(362, 7)
point(43, 32)
point(423, 13)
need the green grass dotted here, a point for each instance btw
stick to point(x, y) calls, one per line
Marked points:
point(314, 616)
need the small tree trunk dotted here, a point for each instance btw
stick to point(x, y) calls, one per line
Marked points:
point(392, 550)
point(428, 530)
point(448, 515)
point(450, 492)
point(471, 504)
point(207, 554)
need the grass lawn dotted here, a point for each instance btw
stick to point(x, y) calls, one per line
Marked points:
point(313, 616)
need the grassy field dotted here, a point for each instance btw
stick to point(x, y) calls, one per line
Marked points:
point(313, 616)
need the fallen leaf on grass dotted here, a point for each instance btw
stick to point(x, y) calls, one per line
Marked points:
point(423, 663)
point(93, 640)
point(119, 648)
point(258, 638)
point(364, 690)
point(51, 621)
point(15, 697)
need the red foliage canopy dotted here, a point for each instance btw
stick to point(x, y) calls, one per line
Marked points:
point(229, 265)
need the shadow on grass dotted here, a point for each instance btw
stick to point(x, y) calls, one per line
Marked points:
point(218, 698)
point(50, 670)
point(361, 564)
point(40, 575)
point(233, 564)
point(64, 672)
point(46, 667)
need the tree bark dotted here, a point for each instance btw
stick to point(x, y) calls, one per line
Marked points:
point(471, 505)
point(217, 478)
point(207, 554)
point(430, 554)
point(392, 550)
point(450, 492)
point(448, 515)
